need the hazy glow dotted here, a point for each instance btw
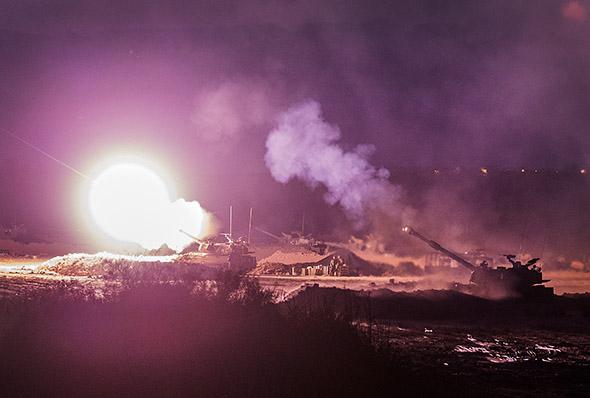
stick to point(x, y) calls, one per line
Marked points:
point(131, 203)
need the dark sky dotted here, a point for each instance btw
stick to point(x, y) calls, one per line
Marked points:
point(199, 85)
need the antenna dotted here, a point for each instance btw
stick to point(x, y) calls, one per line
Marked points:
point(250, 224)
point(231, 220)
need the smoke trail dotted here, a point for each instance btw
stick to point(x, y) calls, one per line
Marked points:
point(41, 151)
point(304, 146)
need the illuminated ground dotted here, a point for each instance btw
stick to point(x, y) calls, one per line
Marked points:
point(562, 281)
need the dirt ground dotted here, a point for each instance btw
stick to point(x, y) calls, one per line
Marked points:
point(562, 281)
point(536, 350)
point(508, 361)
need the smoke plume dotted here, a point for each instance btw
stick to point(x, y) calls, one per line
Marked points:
point(304, 146)
point(221, 113)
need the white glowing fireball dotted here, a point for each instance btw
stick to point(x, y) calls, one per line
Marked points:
point(131, 203)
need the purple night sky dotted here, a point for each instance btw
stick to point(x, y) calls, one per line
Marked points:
point(429, 84)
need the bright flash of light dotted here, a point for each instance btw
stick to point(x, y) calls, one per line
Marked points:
point(131, 203)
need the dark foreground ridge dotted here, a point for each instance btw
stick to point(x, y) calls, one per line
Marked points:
point(510, 347)
point(155, 340)
point(228, 339)
point(570, 312)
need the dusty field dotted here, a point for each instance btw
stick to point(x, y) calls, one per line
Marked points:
point(562, 281)
point(284, 286)
point(287, 286)
point(570, 282)
point(15, 264)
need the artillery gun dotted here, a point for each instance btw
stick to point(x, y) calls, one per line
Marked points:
point(237, 250)
point(299, 240)
point(517, 280)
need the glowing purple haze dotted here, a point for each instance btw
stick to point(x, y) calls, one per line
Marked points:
point(197, 86)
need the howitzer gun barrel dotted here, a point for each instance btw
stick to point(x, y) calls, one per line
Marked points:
point(268, 233)
point(436, 246)
point(190, 236)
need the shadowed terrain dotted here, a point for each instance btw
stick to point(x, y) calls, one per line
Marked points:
point(226, 338)
point(155, 340)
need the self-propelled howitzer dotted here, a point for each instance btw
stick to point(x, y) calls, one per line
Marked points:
point(517, 280)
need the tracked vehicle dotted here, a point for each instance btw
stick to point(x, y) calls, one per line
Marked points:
point(515, 280)
point(237, 251)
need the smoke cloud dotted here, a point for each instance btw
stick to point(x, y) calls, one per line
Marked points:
point(304, 146)
point(223, 112)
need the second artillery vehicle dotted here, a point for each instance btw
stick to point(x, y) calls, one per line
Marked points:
point(517, 280)
point(299, 240)
point(237, 251)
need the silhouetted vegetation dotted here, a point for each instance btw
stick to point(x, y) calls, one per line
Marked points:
point(221, 338)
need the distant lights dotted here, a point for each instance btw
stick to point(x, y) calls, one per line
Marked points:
point(486, 171)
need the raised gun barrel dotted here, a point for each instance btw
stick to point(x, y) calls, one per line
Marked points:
point(268, 233)
point(436, 246)
point(191, 236)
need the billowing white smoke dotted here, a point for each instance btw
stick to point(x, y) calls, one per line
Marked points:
point(304, 146)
